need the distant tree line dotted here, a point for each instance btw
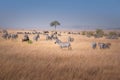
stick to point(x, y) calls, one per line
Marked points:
point(98, 33)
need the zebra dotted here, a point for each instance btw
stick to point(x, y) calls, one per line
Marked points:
point(93, 45)
point(101, 45)
point(107, 45)
point(5, 35)
point(9, 36)
point(54, 36)
point(48, 37)
point(51, 37)
point(36, 37)
point(26, 38)
point(14, 36)
point(104, 45)
point(70, 39)
point(58, 41)
point(63, 44)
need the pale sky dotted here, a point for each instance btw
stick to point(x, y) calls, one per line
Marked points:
point(72, 14)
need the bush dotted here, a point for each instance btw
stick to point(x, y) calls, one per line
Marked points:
point(105, 34)
point(99, 33)
point(89, 34)
point(84, 32)
point(30, 42)
point(112, 33)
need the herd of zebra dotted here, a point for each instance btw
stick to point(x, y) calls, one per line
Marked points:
point(101, 45)
point(62, 44)
point(6, 35)
point(52, 37)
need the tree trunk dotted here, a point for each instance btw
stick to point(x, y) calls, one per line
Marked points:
point(55, 28)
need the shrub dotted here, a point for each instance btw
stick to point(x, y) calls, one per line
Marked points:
point(89, 34)
point(30, 42)
point(112, 33)
point(84, 32)
point(99, 33)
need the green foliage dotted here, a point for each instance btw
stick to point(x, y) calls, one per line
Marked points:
point(30, 42)
point(55, 24)
point(112, 33)
point(105, 34)
point(99, 32)
point(84, 32)
point(90, 33)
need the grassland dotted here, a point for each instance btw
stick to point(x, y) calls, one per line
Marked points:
point(44, 60)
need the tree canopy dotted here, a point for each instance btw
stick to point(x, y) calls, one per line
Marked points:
point(54, 24)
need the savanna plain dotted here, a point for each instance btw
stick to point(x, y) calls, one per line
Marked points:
point(44, 60)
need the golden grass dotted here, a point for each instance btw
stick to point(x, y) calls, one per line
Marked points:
point(44, 60)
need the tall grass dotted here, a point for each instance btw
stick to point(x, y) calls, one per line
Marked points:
point(44, 60)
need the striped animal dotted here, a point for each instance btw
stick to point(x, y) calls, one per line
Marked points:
point(104, 45)
point(14, 36)
point(26, 38)
point(36, 37)
point(5, 35)
point(70, 39)
point(63, 44)
point(93, 45)
point(48, 37)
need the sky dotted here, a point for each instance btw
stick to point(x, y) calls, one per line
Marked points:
point(72, 14)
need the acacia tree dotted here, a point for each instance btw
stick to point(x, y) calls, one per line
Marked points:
point(54, 24)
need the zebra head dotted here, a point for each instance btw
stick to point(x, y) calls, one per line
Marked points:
point(57, 41)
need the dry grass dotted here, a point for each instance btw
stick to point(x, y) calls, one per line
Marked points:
point(44, 60)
